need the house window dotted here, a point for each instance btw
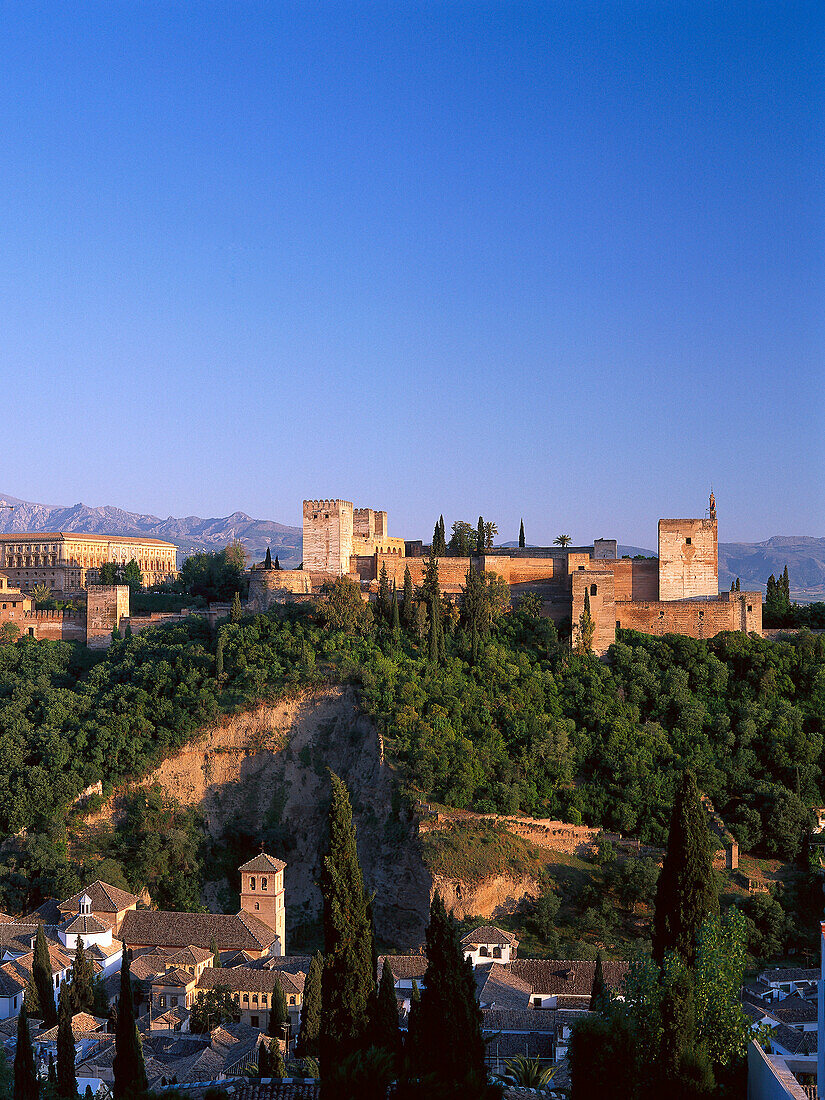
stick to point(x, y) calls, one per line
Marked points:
point(291, 1001)
point(254, 1021)
point(162, 1001)
point(255, 999)
point(496, 952)
point(484, 953)
point(593, 590)
point(537, 1002)
point(173, 1002)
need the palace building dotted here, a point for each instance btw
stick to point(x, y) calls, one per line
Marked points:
point(68, 562)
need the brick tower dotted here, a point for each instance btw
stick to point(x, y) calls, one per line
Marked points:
point(262, 893)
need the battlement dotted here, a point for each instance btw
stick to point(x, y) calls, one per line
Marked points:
point(52, 615)
point(320, 505)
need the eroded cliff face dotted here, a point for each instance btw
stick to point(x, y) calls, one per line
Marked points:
point(492, 897)
point(281, 752)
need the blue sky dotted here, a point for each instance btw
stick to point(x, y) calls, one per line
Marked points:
point(560, 260)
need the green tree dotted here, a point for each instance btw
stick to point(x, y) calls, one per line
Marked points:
point(686, 893)
point(385, 1033)
point(216, 955)
point(599, 994)
point(307, 1045)
point(264, 1061)
point(446, 1042)
point(42, 972)
point(26, 1086)
point(721, 1025)
point(408, 605)
point(236, 614)
point(108, 573)
point(128, 1065)
point(521, 541)
point(587, 627)
point(348, 980)
point(383, 600)
point(267, 565)
point(602, 1058)
point(66, 1080)
point(219, 657)
point(395, 619)
point(562, 540)
point(83, 980)
point(439, 545)
point(463, 538)
point(132, 575)
point(277, 565)
point(490, 532)
point(31, 996)
point(213, 1007)
point(278, 1012)
point(738, 585)
point(341, 607)
point(479, 546)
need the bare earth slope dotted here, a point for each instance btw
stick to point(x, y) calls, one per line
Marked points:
point(233, 771)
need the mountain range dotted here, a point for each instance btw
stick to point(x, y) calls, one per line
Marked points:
point(752, 562)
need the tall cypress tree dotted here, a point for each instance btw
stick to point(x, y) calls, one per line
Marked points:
point(128, 1066)
point(278, 1012)
point(25, 1076)
point(348, 979)
point(385, 1032)
point(445, 1030)
point(42, 973)
point(236, 613)
point(686, 893)
point(599, 995)
point(480, 536)
point(408, 606)
point(216, 955)
point(277, 565)
point(83, 981)
point(521, 541)
point(383, 601)
point(307, 1045)
point(268, 559)
point(395, 618)
point(66, 1080)
point(219, 657)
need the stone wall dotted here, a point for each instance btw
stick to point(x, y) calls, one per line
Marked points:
point(106, 606)
point(688, 559)
point(269, 586)
point(696, 618)
point(57, 626)
point(600, 589)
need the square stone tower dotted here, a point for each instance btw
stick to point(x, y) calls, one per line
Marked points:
point(328, 529)
point(262, 893)
point(688, 557)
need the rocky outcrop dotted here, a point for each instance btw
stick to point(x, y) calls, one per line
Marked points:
point(491, 898)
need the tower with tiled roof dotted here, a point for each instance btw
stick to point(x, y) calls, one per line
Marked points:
point(262, 893)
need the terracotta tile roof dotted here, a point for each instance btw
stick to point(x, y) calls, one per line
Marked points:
point(262, 864)
point(11, 983)
point(489, 934)
point(82, 1024)
point(155, 928)
point(793, 1041)
point(790, 975)
point(504, 1019)
point(85, 922)
point(244, 979)
point(794, 1010)
point(403, 967)
point(497, 986)
point(247, 1089)
point(292, 964)
point(104, 898)
point(176, 979)
point(47, 913)
point(565, 977)
point(191, 956)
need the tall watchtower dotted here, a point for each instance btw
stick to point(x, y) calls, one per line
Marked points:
point(689, 557)
point(328, 528)
point(262, 893)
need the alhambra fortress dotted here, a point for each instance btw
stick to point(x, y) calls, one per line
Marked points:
point(678, 592)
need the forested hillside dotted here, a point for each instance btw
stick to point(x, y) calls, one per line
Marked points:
point(505, 719)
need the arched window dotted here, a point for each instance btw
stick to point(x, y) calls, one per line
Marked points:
point(593, 590)
point(263, 882)
point(251, 882)
point(484, 953)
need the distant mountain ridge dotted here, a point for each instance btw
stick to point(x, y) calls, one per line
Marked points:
point(188, 533)
point(752, 562)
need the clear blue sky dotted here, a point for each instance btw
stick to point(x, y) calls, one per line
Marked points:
point(559, 260)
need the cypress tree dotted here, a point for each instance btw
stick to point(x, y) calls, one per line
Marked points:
point(32, 999)
point(216, 955)
point(445, 1030)
point(83, 980)
point(433, 647)
point(25, 1077)
point(307, 1045)
point(52, 1071)
point(66, 1080)
point(587, 628)
point(521, 541)
point(42, 973)
point(236, 613)
point(786, 588)
point(436, 543)
point(128, 1066)
point(738, 586)
point(383, 601)
point(348, 979)
point(408, 610)
point(395, 618)
point(278, 1012)
point(480, 536)
point(686, 892)
point(277, 1067)
point(277, 565)
point(385, 1032)
point(264, 1061)
point(733, 586)
point(267, 565)
point(599, 995)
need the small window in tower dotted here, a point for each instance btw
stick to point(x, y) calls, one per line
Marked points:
point(701, 615)
point(251, 882)
point(593, 590)
point(661, 614)
point(750, 607)
point(263, 883)
point(687, 541)
point(257, 905)
point(581, 568)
